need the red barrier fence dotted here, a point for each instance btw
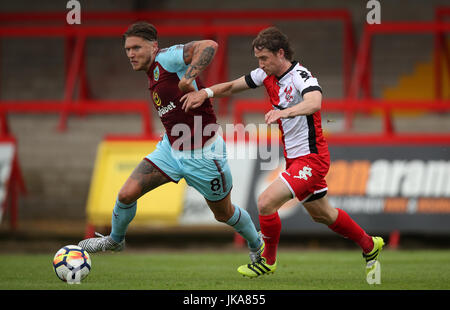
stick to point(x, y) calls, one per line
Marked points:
point(209, 24)
point(361, 79)
point(361, 83)
point(440, 49)
point(212, 24)
point(388, 134)
point(76, 69)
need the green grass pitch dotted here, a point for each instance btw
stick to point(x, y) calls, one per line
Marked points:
point(206, 270)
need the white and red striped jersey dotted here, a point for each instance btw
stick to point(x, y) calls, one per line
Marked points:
point(302, 135)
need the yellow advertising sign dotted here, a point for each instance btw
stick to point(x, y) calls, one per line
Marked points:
point(114, 163)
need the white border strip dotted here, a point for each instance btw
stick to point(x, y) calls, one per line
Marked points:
point(288, 185)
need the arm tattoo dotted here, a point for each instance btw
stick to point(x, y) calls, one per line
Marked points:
point(201, 63)
point(191, 72)
point(206, 57)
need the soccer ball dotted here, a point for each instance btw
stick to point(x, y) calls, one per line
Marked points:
point(72, 264)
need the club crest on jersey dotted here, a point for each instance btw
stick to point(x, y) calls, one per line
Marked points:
point(156, 73)
point(288, 92)
point(304, 173)
point(156, 99)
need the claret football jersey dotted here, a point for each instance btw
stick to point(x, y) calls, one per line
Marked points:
point(197, 125)
point(301, 135)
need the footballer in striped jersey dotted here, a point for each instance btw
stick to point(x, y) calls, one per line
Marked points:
point(296, 99)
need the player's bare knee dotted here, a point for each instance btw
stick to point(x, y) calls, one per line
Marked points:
point(126, 196)
point(221, 217)
point(264, 205)
point(222, 210)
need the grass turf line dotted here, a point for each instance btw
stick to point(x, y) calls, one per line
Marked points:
point(297, 270)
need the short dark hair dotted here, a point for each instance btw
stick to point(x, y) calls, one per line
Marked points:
point(143, 30)
point(274, 40)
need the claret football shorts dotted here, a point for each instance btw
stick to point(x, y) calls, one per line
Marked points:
point(205, 169)
point(305, 176)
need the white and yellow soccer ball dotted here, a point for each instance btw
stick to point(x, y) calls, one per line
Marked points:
point(72, 264)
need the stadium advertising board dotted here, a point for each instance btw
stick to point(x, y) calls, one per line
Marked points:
point(384, 188)
point(114, 163)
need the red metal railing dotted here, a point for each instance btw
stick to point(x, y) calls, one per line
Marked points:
point(387, 136)
point(219, 25)
point(212, 24)
point(76, 70)
point(207, 18)
point(361, 83)
point(440, 49)
point(361, 79)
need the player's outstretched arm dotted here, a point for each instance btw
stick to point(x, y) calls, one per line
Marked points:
point(195, 99)
point(198, 55)
point(311, 103)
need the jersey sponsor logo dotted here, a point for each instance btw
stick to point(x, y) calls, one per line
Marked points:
point(156, 73)
point(166, 109)
point(304, 173)
point(156, 99)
